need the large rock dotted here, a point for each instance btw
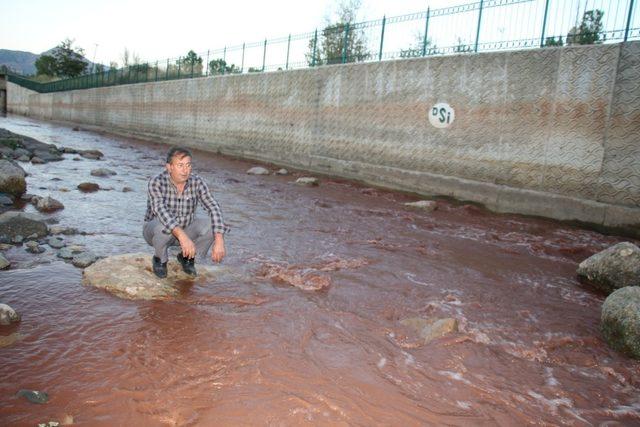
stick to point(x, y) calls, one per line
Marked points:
point(103, 172)
point(88, 187)
point(613, 268)
point(91, 154)
point(307, 180)
point(48, 204)
point(14, 224)
point(258, 170)
point(4, 263)
point(130, 276)
point(8, 315)
point(12, 179)
point(426, 205)
point(620, 320)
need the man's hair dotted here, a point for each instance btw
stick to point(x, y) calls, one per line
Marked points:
point(178, 151)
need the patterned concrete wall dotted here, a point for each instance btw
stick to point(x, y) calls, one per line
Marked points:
point(551, 132)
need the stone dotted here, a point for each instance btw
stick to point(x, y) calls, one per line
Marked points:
point(27, 197)
point(55, 242)
point(5, 246)
point(76, 129)
point(88, 187)
point(24, 224)
point(58, 229)
point(431, 329)
point(8, 315)
point(48, 204)
point(69, 150)
point(613, 268)
point(33, 247)
point(84, 259)
point(34, 396)
point(4, 263)
point(307, 180)
point(103, 172)
point(91, 154)
point(17, 239)
point(258, 170)
point(127, 189)
point(129, 276)
point(68, 252)
point(77, 159)
point(37, 160)
point(9, 340)
point(12, 178)
point(282, 171)
point(24, 159)
point(21, 152)
point(425, 205)
point(620, 320)
point(5, 199)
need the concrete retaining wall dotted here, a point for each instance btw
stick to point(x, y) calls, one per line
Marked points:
point(552, 132)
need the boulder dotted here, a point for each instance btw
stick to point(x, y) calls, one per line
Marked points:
point(613, 268)
point(129, 276)
point(426, 205)
point(55, 242)
point(258, 170)
point(8, 315)
point(68, 252)
point(307, 180)
point(12, 178)
point(4, 263)
point(620, 320)
point(88, 187)
point(430, 329)
point(69, 150)
point(14, 224)
point(282, 171)
point(5, 199)
point(33, 247)
point(48, 204)
point(84, 259)
point(34, 396)
point(24, 159)
point(91, 154)
point(103, 172)
point(37, 160)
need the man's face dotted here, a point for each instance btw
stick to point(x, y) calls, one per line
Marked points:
point(179, 169)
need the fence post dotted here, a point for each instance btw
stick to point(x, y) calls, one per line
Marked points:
point(192, 64)
point(264, 54)
point(206, 73)
point(344, 43)
point(128, 74)
point(156, 79)
point(426, 30)
point(384, 20)
point(224, 59)
point(242, 64)
point(166, 73)
point(315, 47)
point(544, 23)
point(626, 31)
point(286, 67)
point(179, 65)
point(478, 30)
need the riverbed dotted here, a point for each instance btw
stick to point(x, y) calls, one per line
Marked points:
point(245, 349)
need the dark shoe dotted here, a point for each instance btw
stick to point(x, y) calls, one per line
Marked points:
point(159, 268)
point(188, 265)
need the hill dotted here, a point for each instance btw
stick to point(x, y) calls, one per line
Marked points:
point(19, 61)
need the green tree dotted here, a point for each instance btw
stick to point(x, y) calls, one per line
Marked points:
point(46, 66)
point(340, 41)
point(552, 42)
point(219, 66)
point(191, 62)
point(64, 61)
point(590, 29)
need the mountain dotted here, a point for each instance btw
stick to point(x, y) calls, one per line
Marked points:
point(19, 61)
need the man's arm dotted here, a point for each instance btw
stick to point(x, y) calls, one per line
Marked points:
point(219, 227)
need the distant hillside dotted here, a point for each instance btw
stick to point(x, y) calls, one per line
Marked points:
point(24, 62)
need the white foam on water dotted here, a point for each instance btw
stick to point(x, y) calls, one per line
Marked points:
point(551, 381)
point(463, 404)
point(411, 277)
point(381, 363)
point(455, 376)
point(552, 404)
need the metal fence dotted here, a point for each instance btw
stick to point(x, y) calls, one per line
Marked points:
point(486, 25)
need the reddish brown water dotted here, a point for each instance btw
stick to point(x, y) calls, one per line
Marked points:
point(251, 349)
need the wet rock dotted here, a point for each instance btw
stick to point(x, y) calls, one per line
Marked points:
point(129, 276)
point(5, 246)
point(91, 154)
point(69, 150)
point(33, 247)
point(257, 170)
point(23, 224)
point(55, 242)
point(282, 171)
point(426, 205)
point(34, 396)
point(307, 279)
point(17, 239)
point(620, 320)
point(307, 180)
point(48, 204)
point(12, 178)
point(5, 200)
point(84, 259)
point(27, 197)
point(8, 315)
point(9, 340)
point(103, 172)
point(76, 129)
point(37, 160)
point(68, 252)
point(58, 229)
point(4, 263)
point(127, 189)
point(24, 159)
point(77, 159)
point(88, 187)
point(430, 329)
point(613, 268)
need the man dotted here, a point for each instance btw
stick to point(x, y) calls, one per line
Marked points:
point(170, 218)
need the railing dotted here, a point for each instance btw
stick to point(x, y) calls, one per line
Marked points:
point(486, 25)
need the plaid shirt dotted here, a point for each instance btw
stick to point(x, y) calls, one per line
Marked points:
point(173, 209)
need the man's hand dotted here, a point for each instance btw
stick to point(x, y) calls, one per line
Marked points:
point(218, 252)
point(186, 244)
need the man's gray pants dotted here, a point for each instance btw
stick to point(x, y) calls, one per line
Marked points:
point(199, 231)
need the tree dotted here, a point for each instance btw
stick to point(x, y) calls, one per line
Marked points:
point(64, 61)
point(590, 29)
point(552, 42)
point(191, 63)
point(330, 46)
point(416, 49)
point(219, 66)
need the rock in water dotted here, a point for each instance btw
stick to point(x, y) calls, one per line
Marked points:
point(9, 340)
point(130, 276)
point(307, 180)
point(282, 171)
point(91, 154)
point(48, 204)
point(103, 172)
point(427, 205)
point(4, 263)
point(34, 396)
point(613, 268)
point(14, 224)
point(8, 315)
point(620, 320)
point(88, 187)
point(12, 178)
point(258, 170)
point(84, 259)
point(56, 242)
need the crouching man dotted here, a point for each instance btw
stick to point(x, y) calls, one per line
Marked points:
point(172, 198)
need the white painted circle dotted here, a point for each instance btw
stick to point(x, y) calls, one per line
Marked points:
point(441, 115)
